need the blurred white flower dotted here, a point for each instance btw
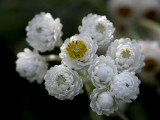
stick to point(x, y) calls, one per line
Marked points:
point(127, 55)
point(148, 8)
point(102, 102)
point(62, 82)
point(102, 70)
point(123, 14)
point(122, 8)
point(78, 51)
point(43, 32)
point(98, 27)
point(31, 65)
point(125, 86)
point(150, 73)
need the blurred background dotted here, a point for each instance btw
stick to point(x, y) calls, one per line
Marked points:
point(137, 19)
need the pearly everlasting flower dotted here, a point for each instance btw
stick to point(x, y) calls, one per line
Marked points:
point(122, 8)
point(125, 86)
point(102, 70)
point(102, 102)
point(31, 65)
point(43, 32)
point(62, 82)
point(151, 71)
point(78, 51)
point(123, 14)
point(149, 8)
point(98, 27)
point(127, 55)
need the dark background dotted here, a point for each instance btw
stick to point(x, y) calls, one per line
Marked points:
point(21, 100)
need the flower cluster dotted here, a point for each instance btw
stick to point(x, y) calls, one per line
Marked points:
point(111, 75)
point(43, 34)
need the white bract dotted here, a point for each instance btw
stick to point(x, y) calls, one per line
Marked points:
point(102, 102)
point(125, 86)
point(102, 71)
point(31, 65)
point(78, 51)
point(43, 32)
point(98, 27)
point(62, 82)
point(127, 55)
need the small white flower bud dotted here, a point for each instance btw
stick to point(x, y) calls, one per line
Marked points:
point(102, 102)
point(102, 71)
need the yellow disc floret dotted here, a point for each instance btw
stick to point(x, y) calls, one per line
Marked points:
point(76, 49)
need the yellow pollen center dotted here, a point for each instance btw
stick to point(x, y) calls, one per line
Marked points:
point(125, 53)
point(76, 49)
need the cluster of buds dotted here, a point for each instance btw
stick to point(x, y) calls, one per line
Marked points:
point(110, 76)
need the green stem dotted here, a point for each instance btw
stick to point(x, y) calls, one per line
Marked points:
point(150, 24)
point(89, 88)
point(121, 115)
point(87, 82)
point(52, 58)
point(94, 115)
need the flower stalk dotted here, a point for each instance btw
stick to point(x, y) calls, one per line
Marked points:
point(52, 58)
point(121, 115)
point(150, 24)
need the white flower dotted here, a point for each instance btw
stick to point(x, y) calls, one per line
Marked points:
point(127, 55)
point(125, 86)
point(98, 27)
point(151, 71)
point(43, 32)
point(149, 8)
point(122, 8)
point(102, 71)
point(102, 102)
point(31, 65)
point(123, 14)
point(62, 82)
point(78, 51)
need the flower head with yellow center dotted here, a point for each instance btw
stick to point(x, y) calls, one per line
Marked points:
point(78, 51)
point(127, 55)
